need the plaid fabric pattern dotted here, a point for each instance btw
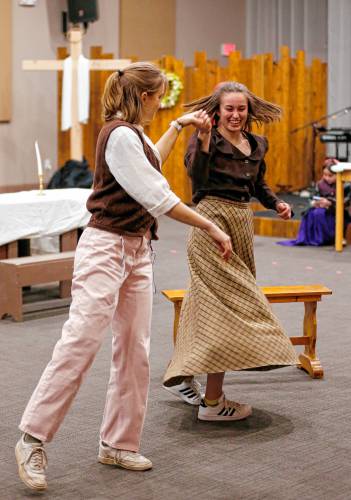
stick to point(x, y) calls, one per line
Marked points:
point(226, 322)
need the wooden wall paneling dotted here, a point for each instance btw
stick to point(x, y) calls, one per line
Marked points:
point(299, 168)
point(234, 67)
point(174, 168)
point(199, 78)
point(184, 186)
point(294, 122)
point(268, 77)
point(247, 73)
point(271, 130)
point(283, 178)
point(307, 144)
point(212, 76)
point(319, 108)
point(224, 72)
point(257, 85)
point(276, 130)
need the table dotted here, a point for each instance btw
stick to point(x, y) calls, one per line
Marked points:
point(31, 214)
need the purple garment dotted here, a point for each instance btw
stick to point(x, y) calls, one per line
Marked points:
point(317, 228)
point(326, 190)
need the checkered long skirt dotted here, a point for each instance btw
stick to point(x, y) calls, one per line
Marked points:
point(226, 322)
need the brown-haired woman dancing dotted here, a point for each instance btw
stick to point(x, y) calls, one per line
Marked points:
point(226, 323)
point(112, 282)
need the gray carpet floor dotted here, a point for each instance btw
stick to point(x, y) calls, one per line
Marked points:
point(297, 444)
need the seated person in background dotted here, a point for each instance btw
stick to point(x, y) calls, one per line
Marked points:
point(318, 222)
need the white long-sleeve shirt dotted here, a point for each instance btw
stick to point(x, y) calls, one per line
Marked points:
point(128, 164)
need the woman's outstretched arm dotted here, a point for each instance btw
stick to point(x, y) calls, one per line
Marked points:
point(184, 214)
point(165, 144)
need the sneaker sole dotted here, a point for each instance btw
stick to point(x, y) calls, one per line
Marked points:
point(24, 477)
point(220, 418)
point(175, 392)
point(111, 461)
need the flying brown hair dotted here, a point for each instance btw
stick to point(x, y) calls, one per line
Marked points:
point(259, 110)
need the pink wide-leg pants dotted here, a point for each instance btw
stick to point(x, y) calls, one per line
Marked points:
point(112, 285)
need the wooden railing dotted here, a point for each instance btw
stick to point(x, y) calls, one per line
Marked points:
point(300, 89)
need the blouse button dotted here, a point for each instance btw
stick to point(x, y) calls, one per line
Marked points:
point(246, 161)
point(248, 174)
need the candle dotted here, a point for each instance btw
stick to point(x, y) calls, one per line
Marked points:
point(39, 164)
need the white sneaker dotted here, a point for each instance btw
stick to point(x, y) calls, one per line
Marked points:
point(225, 410)
point(127, 459)
point(32, 462)
point(188, 391)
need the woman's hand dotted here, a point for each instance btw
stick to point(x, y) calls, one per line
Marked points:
point(199, 119)
point(221, 239)
point(321, 203)
point(324, 203)
point(284, 210)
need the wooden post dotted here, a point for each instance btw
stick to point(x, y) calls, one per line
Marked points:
point(76, 134)
point(341, 177)
point(339, 219)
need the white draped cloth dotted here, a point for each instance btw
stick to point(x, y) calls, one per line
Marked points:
point(28, 214)
point(83, 91)
point(341, 167)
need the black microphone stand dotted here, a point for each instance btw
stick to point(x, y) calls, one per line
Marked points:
point(317, 128)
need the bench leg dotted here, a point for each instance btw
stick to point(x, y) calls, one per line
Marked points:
point(308, 359)
point(177, 308)
point(11, 303)
point(68, 242)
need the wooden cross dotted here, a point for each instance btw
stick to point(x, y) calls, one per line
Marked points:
point(75, 36)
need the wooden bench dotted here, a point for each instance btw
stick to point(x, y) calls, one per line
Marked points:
point(308, 294)
point(34, 270)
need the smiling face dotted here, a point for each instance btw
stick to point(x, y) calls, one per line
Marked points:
point(151, 104)
point(233, 111)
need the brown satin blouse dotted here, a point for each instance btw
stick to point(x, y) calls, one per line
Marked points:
point(226, 172)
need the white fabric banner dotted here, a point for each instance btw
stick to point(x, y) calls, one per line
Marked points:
point(83, 91)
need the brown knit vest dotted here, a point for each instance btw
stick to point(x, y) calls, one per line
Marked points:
point(111, 207)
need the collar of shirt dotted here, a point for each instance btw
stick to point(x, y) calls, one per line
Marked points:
point(224, 146)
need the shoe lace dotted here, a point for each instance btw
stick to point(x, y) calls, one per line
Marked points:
point(195, 385)
point(37, 459)
point(231, 404)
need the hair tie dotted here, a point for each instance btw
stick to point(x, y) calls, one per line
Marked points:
point(120, 72)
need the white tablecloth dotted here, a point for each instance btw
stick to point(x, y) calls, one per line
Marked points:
point(27, 214)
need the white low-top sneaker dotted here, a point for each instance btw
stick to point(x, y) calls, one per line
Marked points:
point(122, 458)
point(225, 410)
point(189, 391)
point(32, 462)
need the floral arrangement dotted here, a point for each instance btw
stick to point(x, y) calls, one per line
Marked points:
point(174, 90)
